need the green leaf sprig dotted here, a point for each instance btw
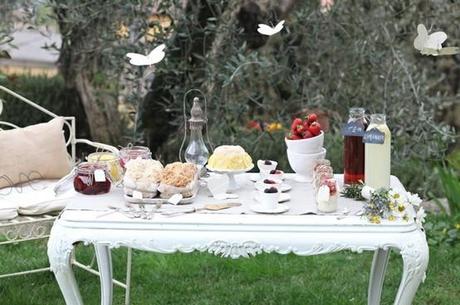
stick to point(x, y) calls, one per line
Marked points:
point(353, 191)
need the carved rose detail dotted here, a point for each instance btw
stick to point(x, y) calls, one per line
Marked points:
point(233, 249)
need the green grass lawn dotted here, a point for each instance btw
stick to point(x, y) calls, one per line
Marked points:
point(198, 278)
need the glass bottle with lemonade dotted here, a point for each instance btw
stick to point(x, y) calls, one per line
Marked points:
point(377, 151)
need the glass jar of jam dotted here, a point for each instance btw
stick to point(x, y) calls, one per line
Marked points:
point(91, 179)
point(111, 161)
point(134, 152)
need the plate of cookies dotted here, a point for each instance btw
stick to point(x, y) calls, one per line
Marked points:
point(148, 182)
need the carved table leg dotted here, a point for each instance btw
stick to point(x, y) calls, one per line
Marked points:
point(59, 251)
point(379, 266)
point(104, 263)
point(415, 260)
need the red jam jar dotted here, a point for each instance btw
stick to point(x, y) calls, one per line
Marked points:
point(134, 152)
point(91, 179)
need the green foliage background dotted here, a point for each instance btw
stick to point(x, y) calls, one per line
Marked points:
point(360, 54)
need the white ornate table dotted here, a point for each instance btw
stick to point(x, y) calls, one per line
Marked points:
point(235, 236)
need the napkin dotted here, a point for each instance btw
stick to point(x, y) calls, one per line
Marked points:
point(37, 197)
point(218, 185)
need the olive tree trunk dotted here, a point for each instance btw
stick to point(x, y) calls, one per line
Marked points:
point(101, 113)
point(81, 65)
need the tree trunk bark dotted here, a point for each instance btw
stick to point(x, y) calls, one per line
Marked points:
point(78, 64)
point(101, 113)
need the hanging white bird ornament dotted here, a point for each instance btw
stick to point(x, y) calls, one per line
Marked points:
point(154, 57)
point(431, 44)
point(268, 30)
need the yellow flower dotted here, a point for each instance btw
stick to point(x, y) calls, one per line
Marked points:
point(391, 218)
point(274, 127)
point(375, 219)
point(157, 25)
point(122, 32)
point(392, 206)
point(457, 226)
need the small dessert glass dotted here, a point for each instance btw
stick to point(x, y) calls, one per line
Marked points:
point(326, 197)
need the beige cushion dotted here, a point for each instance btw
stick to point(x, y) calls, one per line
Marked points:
point(37, 151)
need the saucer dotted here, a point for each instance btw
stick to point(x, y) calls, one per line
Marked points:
point(283, 197)
point(258, 208)
point(284, 186)
point(254, 177)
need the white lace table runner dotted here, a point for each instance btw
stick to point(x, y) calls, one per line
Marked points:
point(302, 199)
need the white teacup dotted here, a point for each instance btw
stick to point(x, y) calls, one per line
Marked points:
point(266, 168)
point(269, 200)
point(276, 183)
point(279, 175)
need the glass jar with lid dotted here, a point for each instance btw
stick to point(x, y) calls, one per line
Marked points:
point(112, 161)
point(91, 178)
point(133, 152)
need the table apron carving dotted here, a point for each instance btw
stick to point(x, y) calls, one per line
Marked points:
point(240, 244)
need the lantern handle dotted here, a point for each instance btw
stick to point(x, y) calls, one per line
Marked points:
point(185, 120)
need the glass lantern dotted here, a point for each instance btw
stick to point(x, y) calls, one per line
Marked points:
point(196, 151)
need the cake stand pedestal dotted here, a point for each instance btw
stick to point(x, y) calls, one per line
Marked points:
point(232, 184)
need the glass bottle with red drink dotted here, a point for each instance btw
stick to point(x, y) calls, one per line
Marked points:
point(353, 150)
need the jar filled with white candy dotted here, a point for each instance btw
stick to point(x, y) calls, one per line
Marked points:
point(326, 196)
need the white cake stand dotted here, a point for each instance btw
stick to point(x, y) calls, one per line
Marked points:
point(232, 184)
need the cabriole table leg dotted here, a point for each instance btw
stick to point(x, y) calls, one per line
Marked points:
point(415, 260)
point(104, 263)
point(379, 266)
point(59, 251)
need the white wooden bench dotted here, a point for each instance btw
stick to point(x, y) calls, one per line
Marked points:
point(29, 228)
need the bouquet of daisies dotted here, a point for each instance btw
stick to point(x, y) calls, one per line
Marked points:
point(392, 204)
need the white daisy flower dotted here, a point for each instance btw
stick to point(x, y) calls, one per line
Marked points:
point(367, 191)
point(397, 197)
point(420, 217)
point(414, 199)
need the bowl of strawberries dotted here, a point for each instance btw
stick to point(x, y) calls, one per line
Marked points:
point(305, 146)
point(305, 136)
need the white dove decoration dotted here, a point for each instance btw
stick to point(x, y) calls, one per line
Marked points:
point(154, 57)
point(268, 30)
point(431, 44)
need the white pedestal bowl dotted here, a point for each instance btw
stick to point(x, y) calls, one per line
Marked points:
point(306, 146)
point(303, 164)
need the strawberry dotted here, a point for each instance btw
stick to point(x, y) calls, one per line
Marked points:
point(307, 134)
point(315, 128)
point(306, 124)
point(295, 123)
point(294, 136)
point(332, 186)
point(312, 118)
point(301, 129)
